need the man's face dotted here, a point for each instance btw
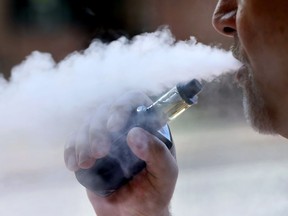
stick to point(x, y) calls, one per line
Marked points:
point(260, 29)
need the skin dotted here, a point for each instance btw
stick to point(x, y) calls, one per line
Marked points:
point(150, 192)
point(260, 30)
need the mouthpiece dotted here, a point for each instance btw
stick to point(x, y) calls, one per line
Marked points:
point(189, 91)
point(176, 101)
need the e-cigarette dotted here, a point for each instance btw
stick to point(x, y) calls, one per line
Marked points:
point(120, 165)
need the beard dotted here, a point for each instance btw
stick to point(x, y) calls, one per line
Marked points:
point(255, 109)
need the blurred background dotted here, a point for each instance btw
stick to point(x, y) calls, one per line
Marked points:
point(62, 26)
point(225, 167)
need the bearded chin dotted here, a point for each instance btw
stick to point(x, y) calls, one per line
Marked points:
point(255, 110)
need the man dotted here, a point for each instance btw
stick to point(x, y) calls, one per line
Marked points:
point(260, 30)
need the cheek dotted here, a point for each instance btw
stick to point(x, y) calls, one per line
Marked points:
point(264, 39)
point(262, 26)
point(252, 44)
point(265, 47)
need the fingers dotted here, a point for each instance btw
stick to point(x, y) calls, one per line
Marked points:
point(160, 162)
point(98, 136)
point(77, 153)
point(82, 148)
point(70, 154)
point(88, 143)
point(92, 140)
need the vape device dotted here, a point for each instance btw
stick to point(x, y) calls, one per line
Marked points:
point(120, 165)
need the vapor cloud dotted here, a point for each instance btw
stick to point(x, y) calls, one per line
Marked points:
point(44, 101)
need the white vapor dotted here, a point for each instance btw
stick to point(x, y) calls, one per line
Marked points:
point(44, 101)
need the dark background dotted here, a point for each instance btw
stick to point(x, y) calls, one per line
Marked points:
point(62, 26)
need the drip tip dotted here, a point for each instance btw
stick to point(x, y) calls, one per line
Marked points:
point(189, 90)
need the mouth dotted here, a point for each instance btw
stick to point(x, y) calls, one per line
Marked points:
point(242, 74)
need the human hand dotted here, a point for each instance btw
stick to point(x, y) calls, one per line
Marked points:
point(149, 192)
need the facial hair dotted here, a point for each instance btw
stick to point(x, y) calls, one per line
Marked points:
point(254, 105)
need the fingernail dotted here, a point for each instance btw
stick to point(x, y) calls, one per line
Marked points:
point(87, 163)
point(82, 159)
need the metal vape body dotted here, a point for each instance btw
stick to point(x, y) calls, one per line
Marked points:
point(120, 165)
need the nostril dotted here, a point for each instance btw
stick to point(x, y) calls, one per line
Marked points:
point(228, 30)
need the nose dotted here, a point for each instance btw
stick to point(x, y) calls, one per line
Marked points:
point(224, 17)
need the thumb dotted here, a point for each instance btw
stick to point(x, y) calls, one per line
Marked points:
point(159, 160)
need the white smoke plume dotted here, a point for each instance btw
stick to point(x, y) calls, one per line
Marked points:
point(44, 101)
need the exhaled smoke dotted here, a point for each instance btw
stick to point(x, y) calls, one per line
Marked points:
point(44, 101)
